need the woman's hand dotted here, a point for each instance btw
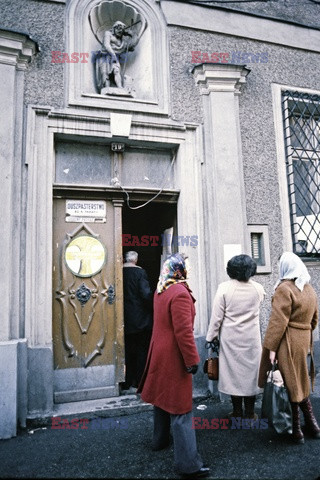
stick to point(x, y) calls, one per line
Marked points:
point(272, 356)
point(193, 369)
point(212, 343)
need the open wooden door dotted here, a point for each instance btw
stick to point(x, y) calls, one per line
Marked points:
point(87, 300)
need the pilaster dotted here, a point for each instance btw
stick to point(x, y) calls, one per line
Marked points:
point(16, 50)
point(225, 207)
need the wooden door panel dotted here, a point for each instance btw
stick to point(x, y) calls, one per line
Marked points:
point(84, 273)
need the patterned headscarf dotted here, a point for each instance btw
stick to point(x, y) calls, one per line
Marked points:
point(292, 267)
point(173, 271)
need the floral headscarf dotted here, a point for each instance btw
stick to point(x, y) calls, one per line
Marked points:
point(173, 271)
point(292, 267)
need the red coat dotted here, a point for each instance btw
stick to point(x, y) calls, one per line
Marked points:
point(165, 382)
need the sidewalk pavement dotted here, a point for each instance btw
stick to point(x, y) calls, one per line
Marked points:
point(112, 440)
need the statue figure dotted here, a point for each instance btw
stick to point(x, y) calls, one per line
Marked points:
point(117, 42)
point(118, 28)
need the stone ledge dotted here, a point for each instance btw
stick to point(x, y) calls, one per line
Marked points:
point(107, 407)
point(113, 406)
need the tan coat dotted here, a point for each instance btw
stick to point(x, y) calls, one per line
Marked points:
point(293, 317)
point(235, 318)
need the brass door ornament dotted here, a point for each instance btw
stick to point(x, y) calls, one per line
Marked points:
point(85, 256)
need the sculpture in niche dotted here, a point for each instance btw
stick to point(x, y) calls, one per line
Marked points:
point(118, 27)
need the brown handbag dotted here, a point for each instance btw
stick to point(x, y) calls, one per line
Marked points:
point(213, 368)
point(211, 365)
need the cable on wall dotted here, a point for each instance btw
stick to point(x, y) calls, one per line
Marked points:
point(160, 191)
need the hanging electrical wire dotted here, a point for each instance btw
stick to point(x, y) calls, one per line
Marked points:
point(157, 195)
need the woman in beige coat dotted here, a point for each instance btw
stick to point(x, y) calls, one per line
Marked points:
point(288, 339)
point(235, 319)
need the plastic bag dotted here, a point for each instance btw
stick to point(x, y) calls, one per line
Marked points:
point(276, 405)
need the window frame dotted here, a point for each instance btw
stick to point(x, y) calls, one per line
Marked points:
point(263, 231)
point(277, 92)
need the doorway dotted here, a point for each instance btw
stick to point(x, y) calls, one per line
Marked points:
point(87, 288)
point(143, 230)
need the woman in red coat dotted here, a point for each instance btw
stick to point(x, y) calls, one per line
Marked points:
point(172, 358)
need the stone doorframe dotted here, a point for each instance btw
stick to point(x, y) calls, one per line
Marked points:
point(42, 125)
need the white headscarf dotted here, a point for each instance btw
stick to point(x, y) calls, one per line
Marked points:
point(292, 267)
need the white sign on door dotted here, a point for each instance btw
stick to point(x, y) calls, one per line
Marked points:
point(86, 210)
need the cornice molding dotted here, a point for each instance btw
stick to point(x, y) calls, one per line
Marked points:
point(243, 25)
point(16, 49)
point(213, 77)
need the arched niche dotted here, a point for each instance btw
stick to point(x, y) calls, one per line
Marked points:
point(147, 64)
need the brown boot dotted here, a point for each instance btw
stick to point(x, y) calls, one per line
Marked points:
point(310, 421)
point(249, 408)
point(237, 407)
point(297, 434)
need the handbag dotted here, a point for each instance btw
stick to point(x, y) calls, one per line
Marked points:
point(276, 405)
point(211, 364)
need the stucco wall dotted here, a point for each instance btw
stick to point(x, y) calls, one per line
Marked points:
point(44, 22)
point(286, 66)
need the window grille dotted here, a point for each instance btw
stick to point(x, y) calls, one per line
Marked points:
point(301, 117)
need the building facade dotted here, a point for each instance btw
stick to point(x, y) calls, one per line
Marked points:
point(153, 126)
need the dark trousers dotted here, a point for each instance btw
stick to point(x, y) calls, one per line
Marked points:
point(136, 351)
point(186, 456)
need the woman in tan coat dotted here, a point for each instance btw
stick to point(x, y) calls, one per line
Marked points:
point(288, 339)
point(235, 318)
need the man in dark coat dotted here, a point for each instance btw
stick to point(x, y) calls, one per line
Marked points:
point(137, 319)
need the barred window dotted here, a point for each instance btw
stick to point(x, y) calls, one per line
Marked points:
point(301, 117)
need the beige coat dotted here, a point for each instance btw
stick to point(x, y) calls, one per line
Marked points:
point(293, 317)
point(235, 318)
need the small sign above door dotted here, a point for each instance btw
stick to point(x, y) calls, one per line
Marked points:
point(86, 211)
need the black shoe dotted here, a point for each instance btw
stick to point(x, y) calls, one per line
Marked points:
point(156, 448)
point(201, 473)
point(299, 441)
point(124, 386)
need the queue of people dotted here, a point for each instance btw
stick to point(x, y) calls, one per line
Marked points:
point(243, 361)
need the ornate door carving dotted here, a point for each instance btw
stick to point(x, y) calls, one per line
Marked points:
point(86, 334)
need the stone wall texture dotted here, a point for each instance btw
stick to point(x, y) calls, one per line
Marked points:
point(286, 66)
point(44, 22)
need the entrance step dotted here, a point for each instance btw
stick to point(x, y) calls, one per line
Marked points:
point(104, 407)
